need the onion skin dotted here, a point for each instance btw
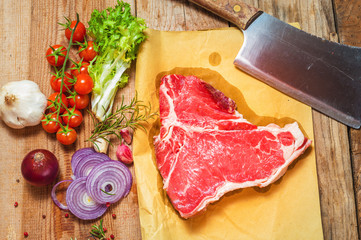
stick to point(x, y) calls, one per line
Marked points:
point(40, 167)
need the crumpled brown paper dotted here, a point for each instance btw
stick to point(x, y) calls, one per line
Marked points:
point(287, 209)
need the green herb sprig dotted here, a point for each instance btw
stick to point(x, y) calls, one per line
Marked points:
point(98, 231)
point(132, 115)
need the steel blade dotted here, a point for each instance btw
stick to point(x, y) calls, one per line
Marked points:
point(323, 74)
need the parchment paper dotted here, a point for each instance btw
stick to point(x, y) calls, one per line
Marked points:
point(287, 209)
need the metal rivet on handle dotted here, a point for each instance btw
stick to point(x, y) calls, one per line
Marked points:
point(236, 8)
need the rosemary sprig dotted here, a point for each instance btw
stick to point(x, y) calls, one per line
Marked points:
point(98, 231)
point(131, 115)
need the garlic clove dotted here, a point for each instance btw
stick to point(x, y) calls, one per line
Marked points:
point(126, 135)
point(101, 145)
point(124, 154)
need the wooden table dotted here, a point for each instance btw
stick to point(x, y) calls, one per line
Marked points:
point(27, 28)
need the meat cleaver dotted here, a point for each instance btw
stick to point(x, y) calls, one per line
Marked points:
point(323, 74)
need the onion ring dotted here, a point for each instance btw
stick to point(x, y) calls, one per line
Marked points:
point(111, 175)
point(87, 163)
point(79, 155)
point(79, 202)
point(53, 196)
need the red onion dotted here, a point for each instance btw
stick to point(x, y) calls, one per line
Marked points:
point(87, 163)
point(40, 167)
point(79, 155)
point(112, 177)
point(98, 182)
point(79, 202)
point(53, 196)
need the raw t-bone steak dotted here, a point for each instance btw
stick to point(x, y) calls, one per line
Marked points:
point(206, 148)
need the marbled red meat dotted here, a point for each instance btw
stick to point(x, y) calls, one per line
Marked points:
point(206, 148)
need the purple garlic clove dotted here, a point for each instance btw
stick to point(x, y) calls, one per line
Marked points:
point(124, 154)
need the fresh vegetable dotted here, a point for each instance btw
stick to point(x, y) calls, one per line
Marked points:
point(87, 51)
point(79, 31)
point(21, 104)
point(57, 82)
point(50, 124)
point(53, 195)
point(126, 135)
point(80, 203)
point(130, 115)
point(79, 155)
point(62, 83)
point(124, 154)
point(79, 67)
point(83, 168)
point(40, 167)
point(79, 101)
point(55, 55)
point(67, 136)
point(55, 103)
point(118, 35)
point(84, 84)
point(112, 174)
point(98, 182)
point(73, 118)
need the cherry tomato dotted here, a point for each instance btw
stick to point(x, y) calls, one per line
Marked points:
point(66, 137)
point(56, 82)
point(52, 98)
point(79, 32)
point(79, 67)
point(75, 119)
point(50, 124)
point(56, 55)
point(79, 101)
point(87, 52)
point(84, 84)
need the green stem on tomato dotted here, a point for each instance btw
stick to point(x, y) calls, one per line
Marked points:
point(57, 100)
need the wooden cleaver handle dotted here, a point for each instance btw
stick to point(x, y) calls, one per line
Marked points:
point(234, 11)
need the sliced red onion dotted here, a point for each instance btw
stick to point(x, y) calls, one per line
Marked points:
point(79, 202)
point(86, 164)
point(53, 196)
point(79, 154)
point(108, 182)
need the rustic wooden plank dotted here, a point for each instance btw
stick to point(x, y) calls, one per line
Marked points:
point(27, 29)
point(14, 58)
point(348, 16)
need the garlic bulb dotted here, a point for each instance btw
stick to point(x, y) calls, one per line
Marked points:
point(21, 104)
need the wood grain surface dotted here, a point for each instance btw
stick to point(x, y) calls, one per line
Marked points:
point(27, 28)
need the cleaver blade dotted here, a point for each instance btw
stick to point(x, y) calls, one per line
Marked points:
point(322, 74)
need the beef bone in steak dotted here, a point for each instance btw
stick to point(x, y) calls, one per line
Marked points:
point(206, 148)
